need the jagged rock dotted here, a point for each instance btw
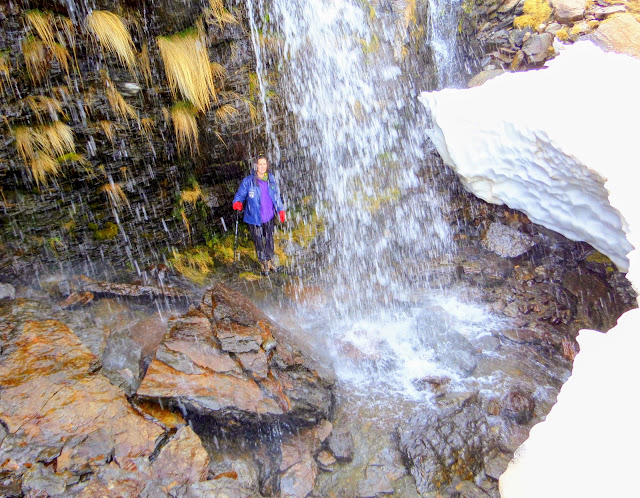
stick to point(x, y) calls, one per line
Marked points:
point(298, 468)
point(446, 445)
point(233, 365)
point(484, 76)
point(567, 11)
point(604, 12)
point(121, 360)
point(222, 487)
point(341, 445)
point(374, 484)
point(7, 291)
point(77, 299)
point(183, 460)
point(55, 410)
point(518, 406)
point(537, 47)
point(325, 460)
point(620, 34)
point(453, 350)
point(506, 241)
point(147, 292)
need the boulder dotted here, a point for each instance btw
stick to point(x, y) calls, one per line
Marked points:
point(56, 411)
point(447, 445)
point(518, 406)
point(567, 11)
point(223, 359)
point(7, 291)
point(537, 47)
point(506, 241)
point(341, 445)
point(619, 34)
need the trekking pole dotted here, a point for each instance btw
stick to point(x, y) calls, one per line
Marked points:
point(235, 242)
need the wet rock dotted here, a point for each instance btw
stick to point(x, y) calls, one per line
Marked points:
point(341, 445)
point(445, 446)
point(43, 480)
point(325, 460)
point(506, 241)
point(168, 419)
point(183, 460)
point(619, 34)
point(496, 466)
point(77, 299)
point(56, 410)
point(223, 369)
point(375, 483)
point(601, 13)
point(488, 344)
point(7, 291)
point(298, 468)
point(518, 406)
point(452, 348)
point(121, 360)
point(223, 487)
point(567, 11)
point(146, 292)
point(522, 335)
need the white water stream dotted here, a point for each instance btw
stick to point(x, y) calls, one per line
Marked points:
point(360, 136)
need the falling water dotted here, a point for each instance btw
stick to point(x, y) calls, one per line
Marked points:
point(361, 137)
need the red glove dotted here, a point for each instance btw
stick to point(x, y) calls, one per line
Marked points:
point(237, 206)
point(282, 216)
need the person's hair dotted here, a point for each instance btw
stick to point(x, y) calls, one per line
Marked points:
point(262, 156)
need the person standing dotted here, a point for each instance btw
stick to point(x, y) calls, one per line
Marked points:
point(260, 197)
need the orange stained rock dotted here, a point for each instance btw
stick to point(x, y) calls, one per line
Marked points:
point(225, 391)
point(206, 355)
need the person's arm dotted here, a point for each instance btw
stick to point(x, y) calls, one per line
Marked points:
point(241, 194)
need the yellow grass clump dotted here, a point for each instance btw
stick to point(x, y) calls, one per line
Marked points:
point(36, 58)
point(5, 71)
point(42, 23)
point(113, 36)
point(42, 106)
point(145, 64)
point(225, 112)
point(109, 130)
point(187, 66)
point(191, 196)
point(217, 15)
point(119, 105)
point(183, 115)
point(535, 13)
point(43, 166)
point(116, 196)
point(194, 264)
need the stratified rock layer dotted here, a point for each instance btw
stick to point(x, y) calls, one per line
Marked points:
point(225, 359)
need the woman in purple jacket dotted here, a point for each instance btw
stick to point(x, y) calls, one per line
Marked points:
point(259, 194)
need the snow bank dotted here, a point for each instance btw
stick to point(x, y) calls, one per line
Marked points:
point(560, 144)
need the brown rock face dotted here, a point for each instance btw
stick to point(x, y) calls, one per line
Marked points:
point(224, 359)
point(56, 411)
point(620, 34)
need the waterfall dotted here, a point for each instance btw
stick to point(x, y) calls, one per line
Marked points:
point(362, 140)
point(350, 91)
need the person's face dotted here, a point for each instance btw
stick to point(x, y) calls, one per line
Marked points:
point(262, 166)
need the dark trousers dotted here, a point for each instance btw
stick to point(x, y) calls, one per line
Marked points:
point(262, 236)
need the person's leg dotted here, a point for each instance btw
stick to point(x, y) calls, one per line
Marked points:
point(258, 241)
point(267, 230)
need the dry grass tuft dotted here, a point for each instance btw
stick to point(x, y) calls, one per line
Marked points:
point(194, 264)
point(5, 71)
point(26, 143)
point(217, 15)
point(42, 166)
point(187, 66)
point(183, 115)
point(36, 58)
point(535, 13)
point(42, 106)
point(119, 106)
point(113, 36)
point(225, 112)
point(109, 130)
point(56, 138)
point(191, 196)
point(145, 64)
point(42, 23)
point(61, 54)
point(116, 196)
